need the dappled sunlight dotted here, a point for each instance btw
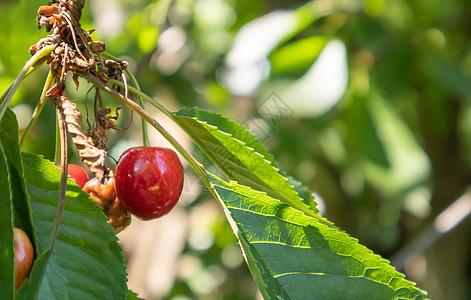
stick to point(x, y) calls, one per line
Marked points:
point(365, 103)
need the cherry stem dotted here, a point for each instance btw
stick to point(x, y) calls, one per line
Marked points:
point(38, 109)
point(148, 99)
point(161, 109)
point(57, 150)
point(145, 134)
point(26, 70)
point(195, 165)
point(62, 126)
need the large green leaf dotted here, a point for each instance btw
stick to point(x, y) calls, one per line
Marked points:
point(295, 256)
point(46, 280)
point(9, 141)
point(86, 248)
point(6, 229)
point(241, 157)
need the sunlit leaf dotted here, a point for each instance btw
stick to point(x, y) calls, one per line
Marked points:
point(259, 37)
point(306, 51)
point(130, 295)
point(295, 256)
point(240, 156)
point(322, 86)
point(147, 38)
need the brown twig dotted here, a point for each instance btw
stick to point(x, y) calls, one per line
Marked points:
point(72, 30)
point(64, 63)
point(86, 108)
point(64, 165)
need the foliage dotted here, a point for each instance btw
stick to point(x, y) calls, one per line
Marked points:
point(381, 136)
point(97, 270)
point(262, 223)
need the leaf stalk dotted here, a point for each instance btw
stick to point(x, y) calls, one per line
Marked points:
point(145, 134)
point(38, 109)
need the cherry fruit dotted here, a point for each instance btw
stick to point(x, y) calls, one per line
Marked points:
point(24, 253)
point(149, 181)
point(77, 174)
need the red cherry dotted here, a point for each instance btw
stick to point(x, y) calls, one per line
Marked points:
point(149, 181)
point(24, 253)
point(77, 174)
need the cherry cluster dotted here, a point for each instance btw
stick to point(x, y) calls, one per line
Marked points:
point(147, 183)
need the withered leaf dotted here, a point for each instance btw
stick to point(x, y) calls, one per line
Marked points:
point(91, 155)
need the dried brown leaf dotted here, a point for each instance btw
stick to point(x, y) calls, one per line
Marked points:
point(91, 155)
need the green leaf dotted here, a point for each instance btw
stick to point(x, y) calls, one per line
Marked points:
point(240, 156)
point(295, 256)
point(130, 295)
point(6, 229)
point(86, 248)
point(303, 192)
point(46, 280)
point(307, 50)
point(10, 142)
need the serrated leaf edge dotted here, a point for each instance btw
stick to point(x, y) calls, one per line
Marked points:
point(297, 201)
point(382, 262)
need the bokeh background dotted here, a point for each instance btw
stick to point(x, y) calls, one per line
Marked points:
point(367, 102)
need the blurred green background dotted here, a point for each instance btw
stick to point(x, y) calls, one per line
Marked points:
point(367, 102)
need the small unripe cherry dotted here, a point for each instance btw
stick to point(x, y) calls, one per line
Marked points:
point(77, 174)
point(149, 181)
point(24, 254)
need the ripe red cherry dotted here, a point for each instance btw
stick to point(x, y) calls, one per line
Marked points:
point(149, 181)
point(24, 253)
point(77, 174)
